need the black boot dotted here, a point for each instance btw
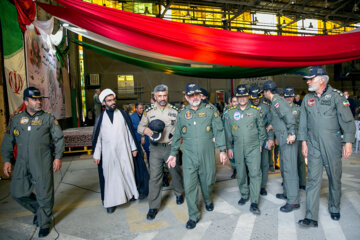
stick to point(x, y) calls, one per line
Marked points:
point(233, 176)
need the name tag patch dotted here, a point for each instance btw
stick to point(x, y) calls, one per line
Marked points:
point(36, 122)
point(201, 114)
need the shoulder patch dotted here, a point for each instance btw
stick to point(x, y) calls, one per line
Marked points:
point(338, 91)
point(173, 107)
point(252, 106)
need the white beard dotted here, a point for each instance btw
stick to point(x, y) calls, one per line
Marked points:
point(195, 104)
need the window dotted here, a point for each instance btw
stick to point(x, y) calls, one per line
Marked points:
point(125, 84)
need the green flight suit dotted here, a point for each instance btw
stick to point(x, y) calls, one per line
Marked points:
point(284, 124)
point(33, 136)
point(232, 160)
point(246, 128)
point(295, 110)
point(265, 154)
point(322, 122)
point(197, 129)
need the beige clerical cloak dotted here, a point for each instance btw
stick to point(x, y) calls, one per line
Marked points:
point(114, 146)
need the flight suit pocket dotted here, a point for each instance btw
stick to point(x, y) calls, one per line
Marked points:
point(21, 182)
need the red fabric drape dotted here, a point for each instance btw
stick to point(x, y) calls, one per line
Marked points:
point(26, 12)
point(206, 44)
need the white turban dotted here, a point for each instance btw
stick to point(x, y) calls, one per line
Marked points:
point(106, 92)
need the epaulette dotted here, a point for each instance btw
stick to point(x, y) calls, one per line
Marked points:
point(266, 103)
point(50, 114)
point(173, 107)
point(255, 107)
point(232, 108)
point(210, 106)
point(338, 91)
point(149, 108)
point(18, 113)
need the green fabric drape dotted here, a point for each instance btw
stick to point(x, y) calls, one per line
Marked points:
point(217, 72)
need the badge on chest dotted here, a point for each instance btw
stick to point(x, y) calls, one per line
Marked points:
point(311, 102)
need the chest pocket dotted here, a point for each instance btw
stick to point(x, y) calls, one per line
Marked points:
point(327, 108)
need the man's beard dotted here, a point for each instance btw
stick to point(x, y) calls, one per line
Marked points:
point(162, 103)
point(195, 103)
point(111, 108)
point(314, 88)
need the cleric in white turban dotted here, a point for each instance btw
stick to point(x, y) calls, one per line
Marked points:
point(122, 172)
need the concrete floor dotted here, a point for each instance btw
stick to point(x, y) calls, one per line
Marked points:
point(79, 214)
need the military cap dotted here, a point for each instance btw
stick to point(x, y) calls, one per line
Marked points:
point(255, 92)
point(192, 88)
point(242, 91)
point(157, 126)
point(204, 92)
point(289, 92)
point(32, 92)
point(269, 85)
point(315, 71)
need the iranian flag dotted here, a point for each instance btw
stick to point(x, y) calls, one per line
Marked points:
point(14, 60)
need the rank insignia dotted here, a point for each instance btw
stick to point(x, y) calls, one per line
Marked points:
point(327, 97)
point(201, 114)
point(208, 128)
point(16, 132)
point(234, 127)
point(311, 102)
point(188, 115)
point(277, 105)
point(183, 130)
point(237, 116)
point(346, 103)
point(24, 120)
point(172, 115)
point(145, 114)
point(216, 114)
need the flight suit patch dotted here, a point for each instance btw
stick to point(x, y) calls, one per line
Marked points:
point(294, 112)
point(56, 122)
point(277, 105)
point(24, 120)
point(216, 114)
point(249, 114)
point(183, 130)
point(172, 115)
point(208, 128)
point(201, 114)
point(36, 122)
point(188, 115)
point(237, 116)
point(16, 132)
point(234, 127)
point(325, 102)
point(346, 103)
point(311, 102)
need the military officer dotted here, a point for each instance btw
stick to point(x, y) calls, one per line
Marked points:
point(160, 150)
point(283, 123)
point(245, 126)
point(33, 131)
point(197, 125)
point(325, 116)
point(255, 97)
point(289, 95)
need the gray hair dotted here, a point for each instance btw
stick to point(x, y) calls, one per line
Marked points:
point(161, 88)
point(325, 77)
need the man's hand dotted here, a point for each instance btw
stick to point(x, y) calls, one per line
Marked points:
point(7, 169)
point(276, 142)
point(148, 132)
point(270, 127)
point(347, 150)
point(56, 164)
point(260, 148)
point(96, 161)
point(134, 153)
point(291, 139)
point(142, 141)
point(171, 162)
point(230, 153)
point(223, 157)
point(304, 149)
point(270, 144)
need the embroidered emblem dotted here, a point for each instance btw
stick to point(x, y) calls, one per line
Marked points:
point(346, 103)
point(56, 122)
point(36, 122)
point(201, 114)
point(16, 132)
point(311, 102)
point(216, 114)
point(24, 120)
point(208, 128)
point(183, 130)
point(188, 115)
point(294, 112)
point(234, 127)
point(276, 105)
point(237, 116)
point(327, 97)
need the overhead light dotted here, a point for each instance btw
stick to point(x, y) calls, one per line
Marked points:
point(356, 7)
point(146, 10)
point(293, 1)
point(223, 18)
point(326, 5)
point(188, 14)
point(310, 25)
point(65, 24)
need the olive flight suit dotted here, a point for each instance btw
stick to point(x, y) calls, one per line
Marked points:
point(197, 129)
point(33, 136)
point(283, 122)
point(322, 122)
point(246, 128)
